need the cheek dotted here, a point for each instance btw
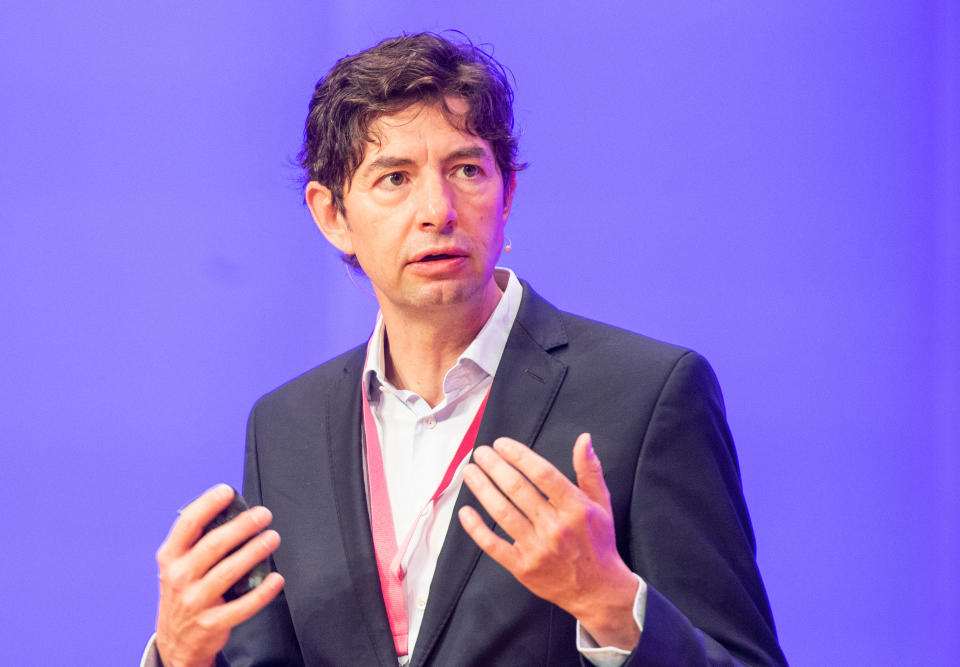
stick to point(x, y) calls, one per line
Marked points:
point(379, 243)
point(497, 221)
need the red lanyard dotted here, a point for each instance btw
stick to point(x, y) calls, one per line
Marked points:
point(389, 556)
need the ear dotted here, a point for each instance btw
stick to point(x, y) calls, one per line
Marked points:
point(508, 195)
point(329, 220)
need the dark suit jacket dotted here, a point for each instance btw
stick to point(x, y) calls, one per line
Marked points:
point(657, 420)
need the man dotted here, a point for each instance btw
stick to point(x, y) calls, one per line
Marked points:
point(364, 461)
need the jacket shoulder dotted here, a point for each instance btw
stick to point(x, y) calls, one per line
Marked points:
point(604, 355)
point(605, 344)
point(575, 336)
point(308, 388)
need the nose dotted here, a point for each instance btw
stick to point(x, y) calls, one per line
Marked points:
point(436, 206)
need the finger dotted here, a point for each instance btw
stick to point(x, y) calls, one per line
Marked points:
point(228, 571)
point(496, 547)
point(247, 605)
point(589, 471)
point(220, 541)
point(515, 524)
point(188, 528)
point(514, 485)
point(543, 474)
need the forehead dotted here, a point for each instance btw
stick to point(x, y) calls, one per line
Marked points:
point(421, 127)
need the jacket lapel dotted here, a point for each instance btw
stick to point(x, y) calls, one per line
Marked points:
point(524, 387)
point(343, 416)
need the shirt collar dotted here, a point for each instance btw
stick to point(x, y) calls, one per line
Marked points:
point(484, 351)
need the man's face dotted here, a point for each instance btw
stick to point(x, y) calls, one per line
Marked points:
point(425, 212)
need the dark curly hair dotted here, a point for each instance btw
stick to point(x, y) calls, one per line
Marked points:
point(390, 77)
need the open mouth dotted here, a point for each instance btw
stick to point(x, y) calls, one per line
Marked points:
point(437, 258)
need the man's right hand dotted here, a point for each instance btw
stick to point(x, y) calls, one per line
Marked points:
point(193, 621)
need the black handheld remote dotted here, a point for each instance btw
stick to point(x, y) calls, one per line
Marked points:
point(254, 577)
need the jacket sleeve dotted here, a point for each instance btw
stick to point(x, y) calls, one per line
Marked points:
point(691, 538)
point(151, 657)
point(268, 638)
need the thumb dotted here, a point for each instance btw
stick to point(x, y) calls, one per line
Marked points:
point(589, 472)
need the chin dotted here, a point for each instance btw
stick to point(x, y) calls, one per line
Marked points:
point(448, 293)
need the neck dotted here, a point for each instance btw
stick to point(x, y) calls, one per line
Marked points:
point(420, 347)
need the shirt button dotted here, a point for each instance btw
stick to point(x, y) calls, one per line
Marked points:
point(429, 421)
point(421, 603)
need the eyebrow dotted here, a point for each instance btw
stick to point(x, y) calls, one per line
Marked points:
point(472, 152)
point(387, 162)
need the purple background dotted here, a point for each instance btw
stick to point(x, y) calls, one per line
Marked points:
point(775, 186)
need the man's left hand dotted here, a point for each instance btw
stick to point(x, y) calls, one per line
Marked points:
point(564, 546)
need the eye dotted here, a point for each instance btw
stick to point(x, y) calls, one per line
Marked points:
point(395, 179)
point(469, 171)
